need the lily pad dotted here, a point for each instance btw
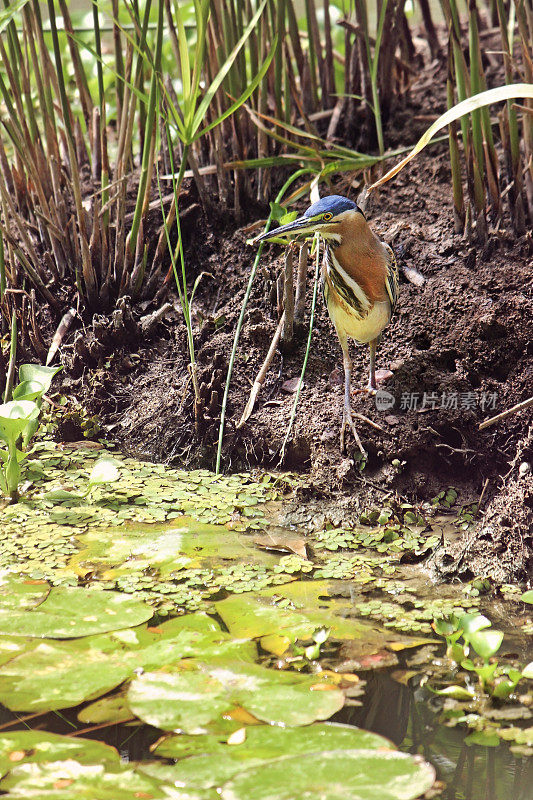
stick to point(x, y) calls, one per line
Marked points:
point(108, 709)
point(260, 616)
point(166, 774)
point(17, 594)
point(70, 780)
point(484, 738)
point(186, 544)
point(71, 612)
point(209, 761)
point(12, 646)
point(24, 746)
point(188, 622)
point(334, 775)
point(169, 701)
point(187, 700)
point(56, 675)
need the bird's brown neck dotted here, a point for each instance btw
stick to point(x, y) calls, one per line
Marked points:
point(362, 256)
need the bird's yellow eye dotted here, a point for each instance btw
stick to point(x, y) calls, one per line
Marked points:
point(327, 216)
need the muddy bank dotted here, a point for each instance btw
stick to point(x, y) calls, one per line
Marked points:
point(458, 347)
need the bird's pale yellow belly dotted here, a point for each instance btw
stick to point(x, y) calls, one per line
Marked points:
point(363, 329)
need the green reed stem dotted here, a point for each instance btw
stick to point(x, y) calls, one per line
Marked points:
point(278, 58)
point(2, 268)
point(98, 48)
point(455, 161)
point(181, 286)
point(149, 132)
point(374, 77)
point(10, 377)
point(475, 83)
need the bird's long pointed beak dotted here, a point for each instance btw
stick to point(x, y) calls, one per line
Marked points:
point(300, 225)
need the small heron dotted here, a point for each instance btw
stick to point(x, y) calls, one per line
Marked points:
point(359, 281)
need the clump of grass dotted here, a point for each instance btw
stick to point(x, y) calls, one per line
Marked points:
point(64, 214)
point(67, 223)
point(485, 187)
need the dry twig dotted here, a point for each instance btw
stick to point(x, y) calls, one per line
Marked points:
point(507, 413)
point(261, 375)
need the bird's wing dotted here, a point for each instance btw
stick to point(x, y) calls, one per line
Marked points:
point(392, 279)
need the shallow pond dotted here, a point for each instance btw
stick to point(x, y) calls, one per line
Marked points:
point(157, 606)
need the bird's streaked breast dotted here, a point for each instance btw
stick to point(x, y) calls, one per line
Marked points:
point(350, 291)
point(352, 311)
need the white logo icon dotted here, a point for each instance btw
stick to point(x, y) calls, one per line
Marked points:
point(384, 400)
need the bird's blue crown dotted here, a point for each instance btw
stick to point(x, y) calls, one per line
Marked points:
point(335, 204)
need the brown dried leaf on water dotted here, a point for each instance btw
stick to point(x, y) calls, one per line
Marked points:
point(282, 543)
point(358, 661)
point(358, 654)
point(422, 656)
point(403, 676)
point(81, 445)
point(290, 386)
point(408, 642)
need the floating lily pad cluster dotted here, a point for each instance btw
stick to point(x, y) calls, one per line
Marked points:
point(245, 729)
point(144, 493)
point(42, 532)
point(412, 614)
point(178, 543)
point(258, 761)
point(361, 568)
point(388, 537)
point(130, 534)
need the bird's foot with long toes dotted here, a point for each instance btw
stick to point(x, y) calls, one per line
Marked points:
point(348, 423)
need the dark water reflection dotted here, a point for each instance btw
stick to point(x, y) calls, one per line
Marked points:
point(405, 716)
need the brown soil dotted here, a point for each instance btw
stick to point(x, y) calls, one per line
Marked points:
point(466, 333)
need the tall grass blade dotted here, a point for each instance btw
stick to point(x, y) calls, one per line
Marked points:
point(462, 109)
point(150, 134)
point(213, 88)
point(2, 269)
point(11, 13)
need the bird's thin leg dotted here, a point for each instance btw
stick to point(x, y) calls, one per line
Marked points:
point(347, 419)
point(372, 385)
